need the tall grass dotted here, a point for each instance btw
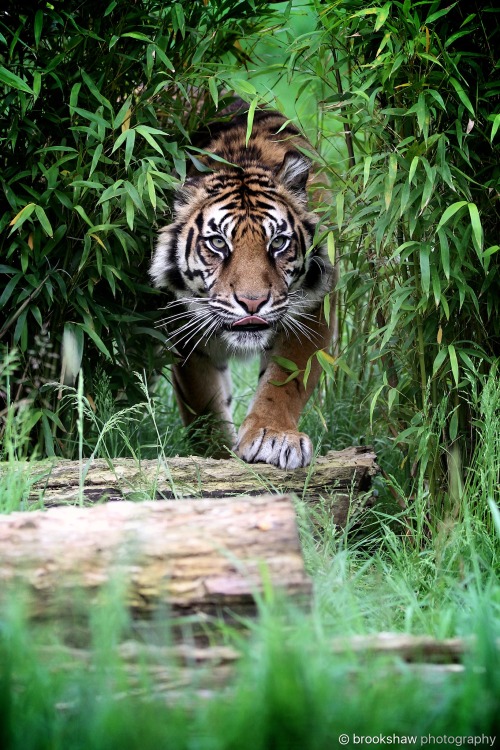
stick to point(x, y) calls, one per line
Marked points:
point(290, 689)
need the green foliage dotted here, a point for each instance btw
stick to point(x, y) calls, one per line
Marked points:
point(413, 163)
point(97, 106)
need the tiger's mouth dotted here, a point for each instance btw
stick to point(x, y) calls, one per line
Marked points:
point(250, 323)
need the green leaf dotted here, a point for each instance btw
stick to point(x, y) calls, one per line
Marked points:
point(123, 112)
point(327, 362)
point(92, 117)
point(330, 244)
point(339, 202)
point(438, 14)
point(374, 400)
point(445, 252)
point(214, 91)
point(292, 376)
point(413, 167)
point(326, 307)
point(453, 362)
point(81, 211)
point(477, 229)
point(9, 288)
point(425, 270)
point(129, 212)
point(439, 359)
point(95, 91)
point(307, 370)
point(42, 218)
point(495, 126)
point(449, 212)
point(95, 158)
point(96, 339)
point(382, 16)
point(286, 364)
point(21, 217)
point(144, 131)
point(47, 434)
point(250, 116)
point(151, 190)
point(38, 27)
point(462, 95)
point(366, 170)
point(129, 146)
point(12, 80)
point(137, 35)
point(390, 180)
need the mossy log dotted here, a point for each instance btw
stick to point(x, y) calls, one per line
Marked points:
point(176, 558)
point(342, 478)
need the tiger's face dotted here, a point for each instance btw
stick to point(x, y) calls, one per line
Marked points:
point(236, 259)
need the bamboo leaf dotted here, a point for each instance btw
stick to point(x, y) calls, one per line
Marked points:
point(96, 339)
point(453, 362)
point(43, 219)
point(438, 14)
point(129, 146)
point(413, 168)
point(390, 180)
point(142, 130)
point(439, 359)
point(339, 201)
point(382, 16)
point(151, 190)
point(250, 116)
point(330, 245)
point(21, 216)
point(445, 252)
point(95, 158)
point(425, 269)
point(462, 95)
point(495, 126)
point(214, 91)
point(38, 25)
point(449, 212)
point(326, 307)
point(307, 370)
point(366, 170)
point(14, 81)
point(477, 229)
point(285, 363)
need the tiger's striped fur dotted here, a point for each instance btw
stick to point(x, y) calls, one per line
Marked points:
point(237, 263)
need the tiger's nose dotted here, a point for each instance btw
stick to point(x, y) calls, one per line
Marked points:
point(251, 304)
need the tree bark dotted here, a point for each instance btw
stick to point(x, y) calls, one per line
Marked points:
point(342, 478)
point(178, 557)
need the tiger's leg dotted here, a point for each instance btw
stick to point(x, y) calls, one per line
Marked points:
point(270, 431)
point(204, 389)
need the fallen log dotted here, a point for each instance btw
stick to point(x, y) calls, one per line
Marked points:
point(342, 478)
point(177, 558)
point(177, 667)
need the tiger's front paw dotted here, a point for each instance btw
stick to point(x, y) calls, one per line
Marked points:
point(286, 449)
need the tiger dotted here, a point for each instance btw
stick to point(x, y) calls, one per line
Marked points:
point(244, 277)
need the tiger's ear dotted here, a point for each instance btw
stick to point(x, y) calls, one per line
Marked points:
point(185, 192)
point(294, 171)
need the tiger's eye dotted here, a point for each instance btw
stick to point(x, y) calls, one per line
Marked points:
point(217, 243)
point(278, 243)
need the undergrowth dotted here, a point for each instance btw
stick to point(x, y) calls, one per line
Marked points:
point(290, 688)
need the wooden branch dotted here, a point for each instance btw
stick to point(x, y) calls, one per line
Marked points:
point(343, 477)
point(190, 556)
